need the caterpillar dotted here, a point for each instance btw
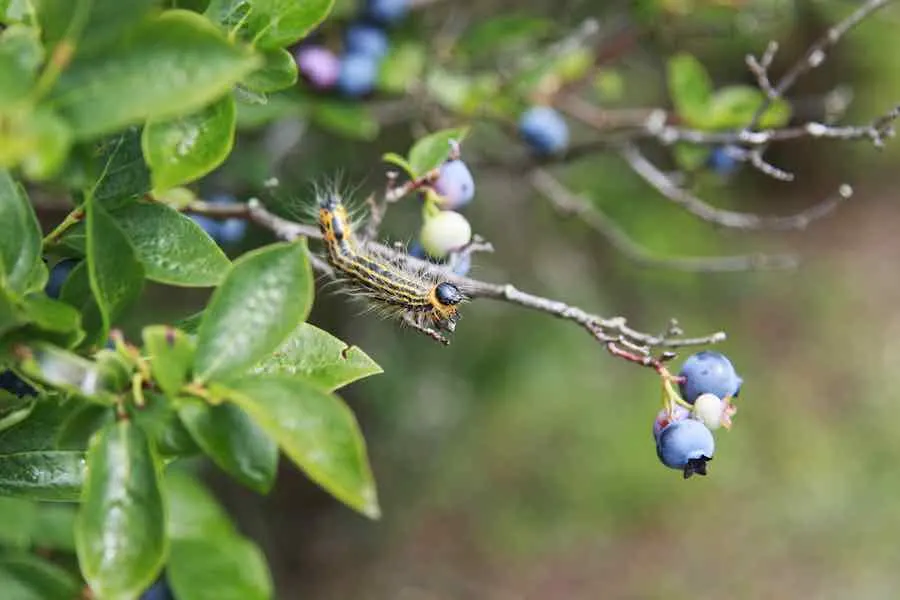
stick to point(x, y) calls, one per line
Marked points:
point(426, 304)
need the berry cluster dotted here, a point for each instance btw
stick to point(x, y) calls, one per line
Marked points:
point(683, 429)
point(365, 43)
point(544, 130)
point(446, 234)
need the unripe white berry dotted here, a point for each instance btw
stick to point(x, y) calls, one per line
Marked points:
point(445, 232)
point(708, 410)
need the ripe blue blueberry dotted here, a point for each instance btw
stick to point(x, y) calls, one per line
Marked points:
point(417, 251)
point(708, 372)
point(722, 161)
point(664, 419)
point(12, 383)
point(227, 232)
point(544, 130)
point(366, 39)
point(58, 275)
point(158, 591)
point(687, 445)
point(386, 11)
point(231, 231)
point(358, 74)
point(319, 66)
point(455, 185)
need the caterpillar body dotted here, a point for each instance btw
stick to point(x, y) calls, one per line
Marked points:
point(424, 303)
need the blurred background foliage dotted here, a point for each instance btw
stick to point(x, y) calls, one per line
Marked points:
point(519, 463)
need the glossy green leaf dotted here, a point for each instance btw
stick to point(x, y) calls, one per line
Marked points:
point(320, 358)
point(395, 159)
point(192, 63)
point(20, 56)
point(172, 248)
point(62, 369)
point(39, 430)
point(280, 23)
point(77, 429)
point(234, 442)
point(159, 420)
point(116, 277)
point(734, 106)
point(279, 71)
point(690, 87)
point(122, 173)
point(228, 13)
point(91, 23)
point(42, 474)
point(183, 149)
point(348, 119)
point(219, 568)
point(51, 315)
point(171, 354)
point(193, 512)
point(120, 530)
point(29, 577)
point(76, 291)
point(14, 409)
point(20, 236)
point(430, 151)
point(267, 293)
point(316, 431)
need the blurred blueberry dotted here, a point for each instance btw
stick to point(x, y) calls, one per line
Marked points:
point(687, 445)
point(366, 39)
point(417, 251)
point(12, 383)
point(386, 11)
point(722, 161)
point(58, 275)
point(455, 185)
point(318, 65)
point(232, 231)
point(544, 130)
point(209, 225)
point(158, 591)
point(708, 372)
point(359, 73)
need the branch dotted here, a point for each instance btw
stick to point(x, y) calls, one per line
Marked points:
point(612, 332)
point(567, 202)
point(727, 218)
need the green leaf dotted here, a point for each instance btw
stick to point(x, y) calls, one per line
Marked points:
point(487, 37)
point(42, 474)
point(54, 527)
point(20, 56)
point(320, 358)
point(265, 295)
point(51, 315)
point(63, 369)
point(17, 519)
point(316, 431)
point(398, 161)
point(17, 11)
point(172, 65)
point(49, 141)
point(159, 420)
point(20, 236)
point(186, 148)
point(733, 106)
point(14, 409)
point(348, 119)
point(691, 157)
point(120, 530)
point(124, 174)
point(401, 68)
point(39, 430)
point(94, 22)
point(234, 442)
point(171, 353)
point(29, 577)
point(218, 568)
point(76, 291)
point(280, 23)
point(193, 512)
point(690, 87)
point(277, 73)
point(115, 275)
point(429, 152)
point(172, 248)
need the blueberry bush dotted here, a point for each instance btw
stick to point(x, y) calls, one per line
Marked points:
point(120, 111)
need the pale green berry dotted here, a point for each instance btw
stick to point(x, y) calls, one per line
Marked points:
point(444, 232)
point(708, 409)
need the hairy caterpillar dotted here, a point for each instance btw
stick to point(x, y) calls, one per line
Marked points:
point(424, 303)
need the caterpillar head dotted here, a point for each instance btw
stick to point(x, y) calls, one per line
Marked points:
point(445, 297)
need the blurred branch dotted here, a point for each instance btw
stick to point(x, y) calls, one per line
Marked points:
point(567, 202)
point(727, 218)
point(613, 332)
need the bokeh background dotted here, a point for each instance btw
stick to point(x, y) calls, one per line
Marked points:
point(518, 463)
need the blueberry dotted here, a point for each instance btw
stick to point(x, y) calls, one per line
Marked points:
point(58, 275)
point(366, 39)
point(229, 231)
point(445, 232)
point(708, 372)
point(158, 591)
point(663, 419)
point(544, 130)
point(12, 383)
point(209, 225)
point(232, 231)
point(455, 185)
point(687, 445)
point(318, 65)
point(358, 74)
point(417, 251)
point(386, 11)
point(722, 161)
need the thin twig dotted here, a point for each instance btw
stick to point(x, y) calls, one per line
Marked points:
point(606, 330)
point(567, 202)
point(727, 218)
